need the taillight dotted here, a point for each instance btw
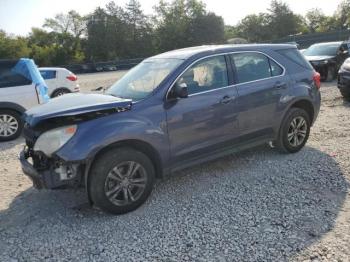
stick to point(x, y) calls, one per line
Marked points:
point(317, 80)
point(72, 77)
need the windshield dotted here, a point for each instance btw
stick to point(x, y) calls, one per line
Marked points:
point(320, 50)
point(140, 81)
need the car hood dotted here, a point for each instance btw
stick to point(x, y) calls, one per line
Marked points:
point(74, 105)
point(318, 57)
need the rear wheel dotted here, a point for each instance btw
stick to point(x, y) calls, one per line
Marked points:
point(121, 180)
point(60, 92)
point(294, 131)
point(11, 125)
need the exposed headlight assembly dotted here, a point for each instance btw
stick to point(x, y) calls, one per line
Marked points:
point(52, 140)
point(346, 65)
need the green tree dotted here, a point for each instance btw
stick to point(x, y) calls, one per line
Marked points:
point(283, 21)
point(315, 20)
point(69, 28)
point(255, 28)
point(12, 47)
point(342, 15)
point(140, 31)
point(184, 23)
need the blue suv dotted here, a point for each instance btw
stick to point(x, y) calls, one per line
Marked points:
point(171, 111)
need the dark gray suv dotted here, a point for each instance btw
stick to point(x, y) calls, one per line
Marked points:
point(171, 111)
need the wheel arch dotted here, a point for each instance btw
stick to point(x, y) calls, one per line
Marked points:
point(305, 105)
point(12, 106)
point(60, 88)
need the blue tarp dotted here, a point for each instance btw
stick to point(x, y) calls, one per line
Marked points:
point(27, 68)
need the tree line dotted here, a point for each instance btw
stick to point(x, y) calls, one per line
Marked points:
point(118, 32)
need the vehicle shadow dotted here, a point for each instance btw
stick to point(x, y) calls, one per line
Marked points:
point(256, 205)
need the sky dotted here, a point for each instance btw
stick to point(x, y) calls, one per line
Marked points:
point(19, 16)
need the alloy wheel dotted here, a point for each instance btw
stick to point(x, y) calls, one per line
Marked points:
point(8, 125)
point(297, 131)
point(125, 183)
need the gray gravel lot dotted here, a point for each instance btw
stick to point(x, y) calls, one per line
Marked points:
point(256, 205)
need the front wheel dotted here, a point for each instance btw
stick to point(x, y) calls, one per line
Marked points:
point(121, 180)
point(294, 131)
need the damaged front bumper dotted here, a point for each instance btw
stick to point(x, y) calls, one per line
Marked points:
point(55, 174)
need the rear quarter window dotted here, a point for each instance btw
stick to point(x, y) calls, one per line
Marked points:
point(8, 78)
point(295, 56)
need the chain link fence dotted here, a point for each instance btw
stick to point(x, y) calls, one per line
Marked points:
point(113, 65)
point(305, 41)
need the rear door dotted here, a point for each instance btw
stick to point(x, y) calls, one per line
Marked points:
point(15, 88)
point(203, 122)
point(261, 82)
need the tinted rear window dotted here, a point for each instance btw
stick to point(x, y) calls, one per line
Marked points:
point(8, 78)
point(295, 56)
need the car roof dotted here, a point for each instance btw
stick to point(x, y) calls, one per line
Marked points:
point(52, 68)
point(185, 53)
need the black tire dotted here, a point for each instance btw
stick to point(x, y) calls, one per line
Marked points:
point(345, 94)
point(297, 142)
point(99, 180)
point(60, 92)
point(330, 74)
point(16, 121)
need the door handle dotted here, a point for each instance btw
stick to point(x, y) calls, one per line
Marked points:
point(280, 85)
point(227, 99)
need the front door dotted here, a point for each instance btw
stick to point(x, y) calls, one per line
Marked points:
point(206, 119)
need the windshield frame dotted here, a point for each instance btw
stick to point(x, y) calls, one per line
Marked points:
point(157, 87)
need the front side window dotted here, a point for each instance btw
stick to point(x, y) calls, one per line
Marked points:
point(254, 66)
point(140, 81)
point(207, 74)
point(10, 78)
point(48, 74)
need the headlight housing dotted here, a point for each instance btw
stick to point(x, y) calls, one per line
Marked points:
point(54, 139)
point(346, 65)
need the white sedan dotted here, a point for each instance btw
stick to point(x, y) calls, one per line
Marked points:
point(59, 81)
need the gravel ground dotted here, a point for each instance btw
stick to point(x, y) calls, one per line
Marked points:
point(256, 205)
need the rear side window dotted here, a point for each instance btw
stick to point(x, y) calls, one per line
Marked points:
point(295, 56)
point(8, 78)
point(254, 66)
point(48, 74)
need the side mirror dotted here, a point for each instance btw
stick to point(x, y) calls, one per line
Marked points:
point(180, 90)
point(345, 52)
